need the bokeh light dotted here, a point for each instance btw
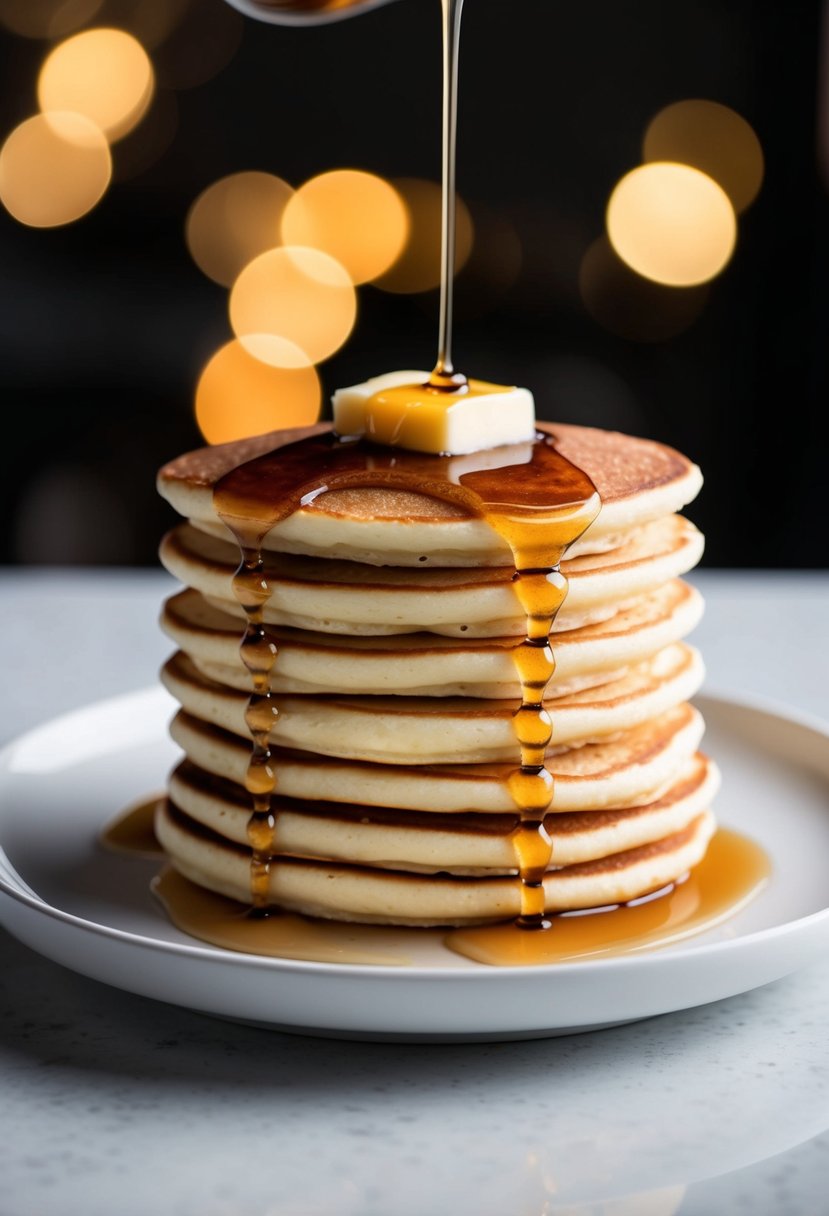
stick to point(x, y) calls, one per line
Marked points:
point(104, 74)
point(713, 138)
point(631, 306)
point(238, 395)
point(672, 224)
point(297, 293)
point(357, 217)
point(46, 18)
point(234, 220)
point(53, 169)
point(418, 267)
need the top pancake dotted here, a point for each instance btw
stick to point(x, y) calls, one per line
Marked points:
point(638, 480)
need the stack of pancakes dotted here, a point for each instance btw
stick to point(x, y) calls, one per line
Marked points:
point(394, 616)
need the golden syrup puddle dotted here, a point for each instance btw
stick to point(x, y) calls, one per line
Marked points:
point(132, 831)
point(226, 923)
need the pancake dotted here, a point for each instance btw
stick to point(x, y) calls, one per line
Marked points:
point(625, 771)
point(456, 844)
point(372, 895)
point(639, 480)
point(423, 730)
point(387, 638)
point(333, 596)
point(425, 664)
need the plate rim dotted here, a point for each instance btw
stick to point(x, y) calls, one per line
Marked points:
point(645, 959)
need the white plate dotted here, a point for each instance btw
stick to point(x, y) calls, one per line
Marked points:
point(63, 896)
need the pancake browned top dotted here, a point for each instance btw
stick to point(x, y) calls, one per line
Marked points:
point(620, 466)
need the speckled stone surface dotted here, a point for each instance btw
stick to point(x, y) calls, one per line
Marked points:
point(112, 1104)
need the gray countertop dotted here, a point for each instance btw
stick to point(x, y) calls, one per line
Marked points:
point(114, 1104)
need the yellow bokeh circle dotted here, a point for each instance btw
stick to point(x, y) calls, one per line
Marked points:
point(711, 137)
point(53, 169)
point(300, 294)
point(104, 74)
point(238, 395)
point(672, 224)
point(356, 217)
point(234, 220)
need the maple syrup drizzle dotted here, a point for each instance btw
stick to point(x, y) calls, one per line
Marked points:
point(258, 652)
point(541, 588)
point(444, 375)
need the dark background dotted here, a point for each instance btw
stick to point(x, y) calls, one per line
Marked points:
point(106, 323)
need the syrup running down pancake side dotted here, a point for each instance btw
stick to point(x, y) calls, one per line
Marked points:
point(536, 500)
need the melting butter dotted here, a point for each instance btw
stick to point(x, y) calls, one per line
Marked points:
point(410, 410)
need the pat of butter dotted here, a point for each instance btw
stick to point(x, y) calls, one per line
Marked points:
point(401, 410)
